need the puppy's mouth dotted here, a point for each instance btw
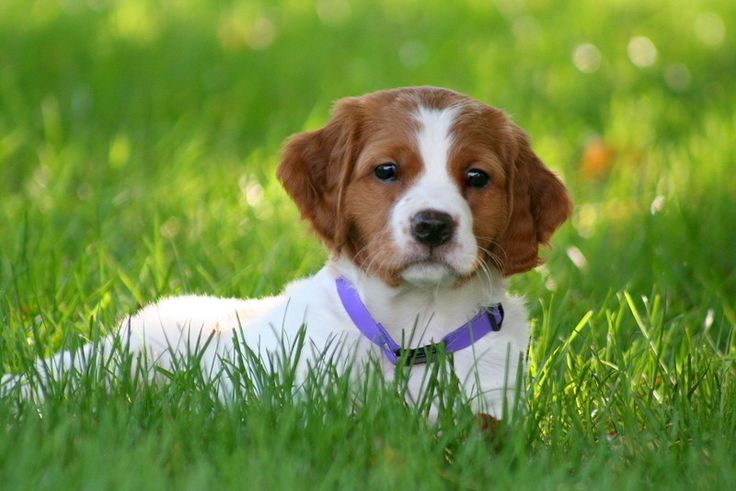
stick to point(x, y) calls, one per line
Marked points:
point(429, 271)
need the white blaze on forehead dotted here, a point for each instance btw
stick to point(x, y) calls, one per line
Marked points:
point(434, 138)
point(434, 189)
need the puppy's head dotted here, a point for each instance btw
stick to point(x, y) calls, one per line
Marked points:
point(424, 185)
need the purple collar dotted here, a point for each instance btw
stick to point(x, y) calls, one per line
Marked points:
point(487, 320)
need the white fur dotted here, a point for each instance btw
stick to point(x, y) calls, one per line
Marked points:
point(435, 190)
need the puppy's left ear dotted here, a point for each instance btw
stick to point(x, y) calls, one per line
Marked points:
point(316, 166)
point(539, 203)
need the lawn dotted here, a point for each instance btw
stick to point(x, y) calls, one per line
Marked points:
point(138, 142)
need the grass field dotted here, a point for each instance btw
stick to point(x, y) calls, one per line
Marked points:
point(138, 141)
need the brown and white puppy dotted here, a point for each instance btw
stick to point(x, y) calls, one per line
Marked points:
point(426, 199)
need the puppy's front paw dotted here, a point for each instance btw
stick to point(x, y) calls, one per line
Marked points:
point(492, 428)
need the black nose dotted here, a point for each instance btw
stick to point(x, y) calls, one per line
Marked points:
point(432, 227)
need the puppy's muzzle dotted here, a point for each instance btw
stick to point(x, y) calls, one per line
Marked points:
point(432, 227)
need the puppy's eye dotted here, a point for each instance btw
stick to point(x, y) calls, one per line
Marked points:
point(476, 178)
point(386, 171)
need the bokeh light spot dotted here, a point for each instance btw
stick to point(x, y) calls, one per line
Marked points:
point(587, 58)
point(677, 77)
point(642, 51)
point(261, 34)
point(710, 29)
point(413, 54)
point(332, 12)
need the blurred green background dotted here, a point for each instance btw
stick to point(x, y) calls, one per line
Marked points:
point(138, 142)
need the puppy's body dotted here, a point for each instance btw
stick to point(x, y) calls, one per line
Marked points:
point(426, 199)
point(209, 326)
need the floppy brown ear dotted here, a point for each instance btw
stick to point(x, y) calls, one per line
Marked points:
point(539, 203)
point(315, 167)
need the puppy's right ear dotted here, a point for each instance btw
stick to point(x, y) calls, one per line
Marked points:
point(317, 165)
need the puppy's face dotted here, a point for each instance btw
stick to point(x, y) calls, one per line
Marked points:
point(424, 185)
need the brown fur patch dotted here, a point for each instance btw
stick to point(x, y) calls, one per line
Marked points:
point(316, 165)
point(539, 204)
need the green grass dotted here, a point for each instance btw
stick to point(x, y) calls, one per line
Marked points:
point(138, 141)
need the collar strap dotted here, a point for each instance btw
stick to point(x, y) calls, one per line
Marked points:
point(489, 319)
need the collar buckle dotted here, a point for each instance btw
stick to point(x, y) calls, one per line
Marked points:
point(421, 355)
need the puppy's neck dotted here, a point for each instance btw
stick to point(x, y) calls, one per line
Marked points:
point(420, 315)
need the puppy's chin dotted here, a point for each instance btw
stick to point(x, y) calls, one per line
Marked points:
point(428, 274)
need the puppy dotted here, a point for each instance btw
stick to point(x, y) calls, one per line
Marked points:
point(427, 200)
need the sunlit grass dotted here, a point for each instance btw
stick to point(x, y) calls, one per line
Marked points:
point(137, 146)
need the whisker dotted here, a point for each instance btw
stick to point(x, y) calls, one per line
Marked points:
point(497, 262)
